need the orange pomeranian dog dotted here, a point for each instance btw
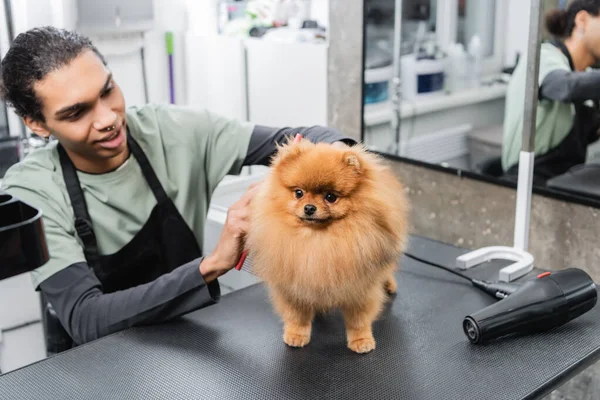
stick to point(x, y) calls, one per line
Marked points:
point(328, 227)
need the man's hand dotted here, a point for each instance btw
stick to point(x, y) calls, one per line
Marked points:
point(231, 243)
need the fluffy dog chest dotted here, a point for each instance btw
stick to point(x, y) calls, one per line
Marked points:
point(320, 296)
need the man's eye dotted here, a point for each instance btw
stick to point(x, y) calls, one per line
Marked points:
point(107, 91)
point(75, 115)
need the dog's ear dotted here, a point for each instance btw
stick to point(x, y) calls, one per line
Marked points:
point(287, 152)
point(351, 160)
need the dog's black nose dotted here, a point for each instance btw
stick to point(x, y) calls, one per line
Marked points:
point(309, 209)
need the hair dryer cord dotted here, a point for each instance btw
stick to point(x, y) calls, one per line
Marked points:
point(448, 269)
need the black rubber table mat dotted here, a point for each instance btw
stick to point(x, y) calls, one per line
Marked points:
point(234, 350)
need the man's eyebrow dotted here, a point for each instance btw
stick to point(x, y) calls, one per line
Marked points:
point(74, 107)
point(78, 106)
point(108, 79)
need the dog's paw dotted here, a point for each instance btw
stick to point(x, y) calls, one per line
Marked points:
point(364, 345)
point(391, 287)
point(293, 339)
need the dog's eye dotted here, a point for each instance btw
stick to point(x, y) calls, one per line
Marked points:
point(330, 197)
point(298, 193)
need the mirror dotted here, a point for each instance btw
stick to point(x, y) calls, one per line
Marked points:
point(446, 113)
point(442, 89)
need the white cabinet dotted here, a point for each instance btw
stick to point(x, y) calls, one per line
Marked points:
point(265, 82)
point(22, 347)
point(215, 75)
point(287, 83)
point(19, 305)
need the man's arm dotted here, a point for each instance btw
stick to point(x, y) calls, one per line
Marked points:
point(87, 313)
point(569, 87)
point(76, 294)
point(264, 140)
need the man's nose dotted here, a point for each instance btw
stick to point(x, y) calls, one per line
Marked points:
point(105, 120)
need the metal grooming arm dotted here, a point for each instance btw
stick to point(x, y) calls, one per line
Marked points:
point(523, 260)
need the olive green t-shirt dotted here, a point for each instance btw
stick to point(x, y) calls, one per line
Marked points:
point(190, 151)
point(554, 119)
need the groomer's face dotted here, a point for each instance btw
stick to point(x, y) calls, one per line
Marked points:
point(84, 109)
point(592, 35)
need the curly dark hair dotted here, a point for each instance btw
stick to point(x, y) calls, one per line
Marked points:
point(561, 23)
point(32, 55)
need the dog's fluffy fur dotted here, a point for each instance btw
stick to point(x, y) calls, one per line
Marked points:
point(344, 255)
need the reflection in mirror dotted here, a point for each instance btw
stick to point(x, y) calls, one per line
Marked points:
point(568, 113)
point(444, 85)
point(450, 103)
point(477, 18)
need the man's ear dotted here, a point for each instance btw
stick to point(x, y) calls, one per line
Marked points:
point(38, 127)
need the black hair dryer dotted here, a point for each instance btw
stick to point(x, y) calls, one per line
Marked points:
point(547, 301)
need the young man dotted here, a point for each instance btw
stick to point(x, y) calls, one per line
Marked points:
point(124, 191)
point(565, 124)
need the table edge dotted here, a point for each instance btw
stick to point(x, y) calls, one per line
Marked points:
point(559, 380)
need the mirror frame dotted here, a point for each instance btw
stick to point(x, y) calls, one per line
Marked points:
point(590, 201)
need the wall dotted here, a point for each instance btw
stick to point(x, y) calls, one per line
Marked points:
point(466, 212)
point(344, 79)
point(29, 13)
point(473, 214)
point(64, 13)
point(283, 89)
point(319, 11)
point(518, 18)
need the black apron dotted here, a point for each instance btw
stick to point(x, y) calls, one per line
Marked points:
point(164, 243)
point(572, 150)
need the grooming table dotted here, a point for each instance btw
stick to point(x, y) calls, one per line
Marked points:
point(234, 350)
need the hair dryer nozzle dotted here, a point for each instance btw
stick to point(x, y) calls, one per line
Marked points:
point(472, 330)
point(542, 303)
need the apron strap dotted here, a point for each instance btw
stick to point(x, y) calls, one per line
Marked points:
point(83, 222)
point(149, 174)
